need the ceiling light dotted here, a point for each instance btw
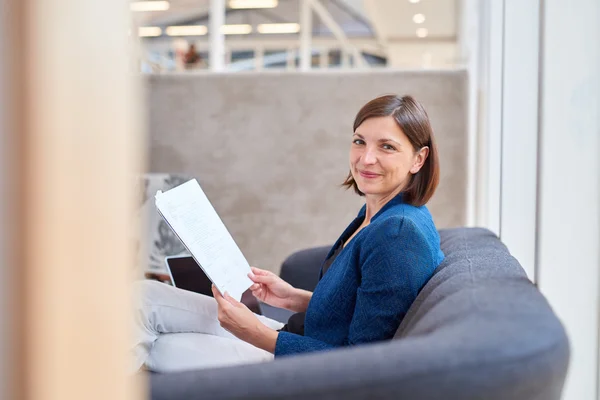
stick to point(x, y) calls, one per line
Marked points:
point(149, 31)
point(414, 1)
point(186, 30)
point(252, 3)
point(418, 18)
point(241, 29)
point(279, 28)
point(422, 32)
point(149, 5)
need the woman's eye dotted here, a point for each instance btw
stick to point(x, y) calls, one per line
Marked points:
point(358, 141)
point(388, 147)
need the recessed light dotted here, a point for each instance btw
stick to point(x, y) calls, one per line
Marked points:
point(149, 31)
point(149, 6)
point(246, 4)
point(418, 18)
point(236, 29)
point(279, 28)
point(186, 30)
point(414, 1)
point(422, 32)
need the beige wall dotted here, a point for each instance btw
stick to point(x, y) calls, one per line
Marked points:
point(271, 149)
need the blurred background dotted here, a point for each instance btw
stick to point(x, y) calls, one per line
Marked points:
point(103, 103)
point(266, 35)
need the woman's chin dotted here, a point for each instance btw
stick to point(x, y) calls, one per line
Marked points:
point(369, 189)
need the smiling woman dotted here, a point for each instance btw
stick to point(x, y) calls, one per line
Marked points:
point(368, 281)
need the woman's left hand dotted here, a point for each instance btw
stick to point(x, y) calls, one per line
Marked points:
point(242, 323)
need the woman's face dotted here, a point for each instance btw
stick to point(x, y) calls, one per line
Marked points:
point(382, 159)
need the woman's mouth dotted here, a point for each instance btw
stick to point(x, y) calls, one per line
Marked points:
point(368, 175)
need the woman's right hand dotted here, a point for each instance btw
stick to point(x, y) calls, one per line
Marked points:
point(271, 289)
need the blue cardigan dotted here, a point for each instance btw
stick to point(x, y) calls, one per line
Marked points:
point(369, 287)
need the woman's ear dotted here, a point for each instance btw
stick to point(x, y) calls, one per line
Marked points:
point(420, 158)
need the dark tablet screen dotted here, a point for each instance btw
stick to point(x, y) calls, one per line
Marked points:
point(188, 275)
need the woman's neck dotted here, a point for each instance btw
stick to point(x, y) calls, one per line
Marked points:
point(376, 202)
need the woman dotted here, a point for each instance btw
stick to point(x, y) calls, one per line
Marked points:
point(370, 278)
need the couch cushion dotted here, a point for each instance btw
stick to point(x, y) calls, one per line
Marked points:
point(156, 240)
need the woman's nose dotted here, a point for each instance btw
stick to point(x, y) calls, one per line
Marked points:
point(369, 157)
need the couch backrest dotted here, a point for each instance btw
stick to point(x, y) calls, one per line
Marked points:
point(480, 314)
point(473, 258)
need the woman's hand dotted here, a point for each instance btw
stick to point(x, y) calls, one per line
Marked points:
point(236, 318)
point(271, 289)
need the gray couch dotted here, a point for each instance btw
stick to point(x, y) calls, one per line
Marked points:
point(479, 329)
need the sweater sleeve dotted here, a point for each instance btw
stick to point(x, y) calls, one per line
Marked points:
point(395, 263)
point(291, 343)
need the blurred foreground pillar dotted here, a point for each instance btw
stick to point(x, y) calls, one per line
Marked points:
point(71, 122)
point(9, 367)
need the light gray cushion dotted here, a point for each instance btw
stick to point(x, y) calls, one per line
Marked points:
point(479, 329)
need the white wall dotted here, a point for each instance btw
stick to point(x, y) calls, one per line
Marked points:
point(422, 54)
point(540, 182)
point(489, 122)
point(469, 53)
point(569, 215)
point(507, 102)
point(520, 130)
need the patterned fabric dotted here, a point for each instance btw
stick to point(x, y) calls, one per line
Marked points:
point(372, 283)
point(156, 240)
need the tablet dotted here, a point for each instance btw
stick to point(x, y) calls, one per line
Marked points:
point(186, 274)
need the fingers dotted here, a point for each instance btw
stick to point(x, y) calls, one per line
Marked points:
point(223, 307)
point(262, 278)
point(218, 296)
point(225, 299)
point(257, 291)
point(231, 300)
point(215, 292)
point(253, 276)
point(258, 271)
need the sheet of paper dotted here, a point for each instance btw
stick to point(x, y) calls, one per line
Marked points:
point(192, 217)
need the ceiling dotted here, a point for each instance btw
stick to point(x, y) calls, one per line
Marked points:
point(386, 20)
point(393, 19)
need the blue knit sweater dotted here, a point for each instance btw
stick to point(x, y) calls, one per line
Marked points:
point(368, 289)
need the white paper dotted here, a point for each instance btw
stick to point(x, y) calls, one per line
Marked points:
point(191, 216)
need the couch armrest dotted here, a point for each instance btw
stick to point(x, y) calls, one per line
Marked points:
point(411, 368)
point(348, 373)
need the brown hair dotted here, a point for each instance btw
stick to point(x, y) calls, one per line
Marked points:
point(412, 118)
